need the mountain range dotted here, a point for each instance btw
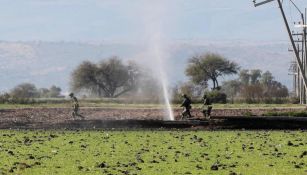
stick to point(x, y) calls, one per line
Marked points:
point(51, 63)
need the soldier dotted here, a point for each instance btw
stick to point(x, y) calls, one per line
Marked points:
point(187, 107)
point(207, 106)
point(75, 107)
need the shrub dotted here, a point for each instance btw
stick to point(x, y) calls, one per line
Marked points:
point(4, 98)
point(217, 96)
point(294, 100)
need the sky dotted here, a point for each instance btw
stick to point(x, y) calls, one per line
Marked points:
point(123, 20)
point(140, 21)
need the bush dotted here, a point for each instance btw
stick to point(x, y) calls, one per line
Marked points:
point(294, 100)
point(4, 98)
point(21, 101)
point(265, 100)
point(217, 96)
point(9, 99)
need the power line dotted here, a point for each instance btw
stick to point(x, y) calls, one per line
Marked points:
point(299, 49)
point(296, 6)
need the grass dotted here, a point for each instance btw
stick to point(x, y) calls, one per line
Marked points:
point(253, 106)
point(82, 104)
point(153, 152)
point(142, 106)
point(290, 114)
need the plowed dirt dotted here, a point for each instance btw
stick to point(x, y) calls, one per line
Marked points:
point(58, 115)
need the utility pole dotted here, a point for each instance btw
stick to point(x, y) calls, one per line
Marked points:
point(301, 60)
point(293, 71)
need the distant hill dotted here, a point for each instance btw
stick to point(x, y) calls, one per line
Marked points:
point(48, 63)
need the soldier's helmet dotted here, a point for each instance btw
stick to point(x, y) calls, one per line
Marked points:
point(205, 96)
point(71, 94)
point(184, 95)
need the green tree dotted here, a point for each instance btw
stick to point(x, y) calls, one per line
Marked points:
point(43, 92)
point(267, 78)
point(256, 86)
point(109, 78)
point(231, 89)
point(244, 76)
point(255, 75)
point(209, 67)
point(252, 93)
point(24, 90)
point(4, 98)
point(276, 89)
point(54, 91)
point(273, 88)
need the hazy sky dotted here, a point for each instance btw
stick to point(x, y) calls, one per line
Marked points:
point(123, 20)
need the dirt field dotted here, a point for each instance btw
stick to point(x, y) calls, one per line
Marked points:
point(57, 115)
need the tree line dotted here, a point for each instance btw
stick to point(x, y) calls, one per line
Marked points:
point(112, 78)
point(251, 86)
point(25, 91)
point(255, 86)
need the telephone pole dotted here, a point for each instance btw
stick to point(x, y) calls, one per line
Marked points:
point(299, 47)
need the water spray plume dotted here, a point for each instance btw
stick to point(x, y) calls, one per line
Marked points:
point(167, 101)
point(156, 43)
point(164, 82)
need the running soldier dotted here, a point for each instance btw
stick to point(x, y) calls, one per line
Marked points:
point(187, 107)
point(207, 106)
point(75, 107)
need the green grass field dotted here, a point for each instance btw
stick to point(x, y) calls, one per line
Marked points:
point(153, 152)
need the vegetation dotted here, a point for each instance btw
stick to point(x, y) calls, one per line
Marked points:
point(209, 66)
point(52, 92)
point(123, 104)
point(217, 96)
point(254, 86)
point(112, 78)
point(28, 90)
point(27, 93)
point(24, 90)
point(289, 114)
point(109, 78)
point(188, 88)
point(149, 152)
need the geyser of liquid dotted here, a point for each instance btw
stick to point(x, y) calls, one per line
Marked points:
point(164, 83)
point(166, 99)
point(154, 15)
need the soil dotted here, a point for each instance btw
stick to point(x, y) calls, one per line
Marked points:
point(59, 115)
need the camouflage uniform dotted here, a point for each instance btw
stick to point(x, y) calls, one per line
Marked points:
point(75, 107)
point(187, 107)
point(207, 106)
